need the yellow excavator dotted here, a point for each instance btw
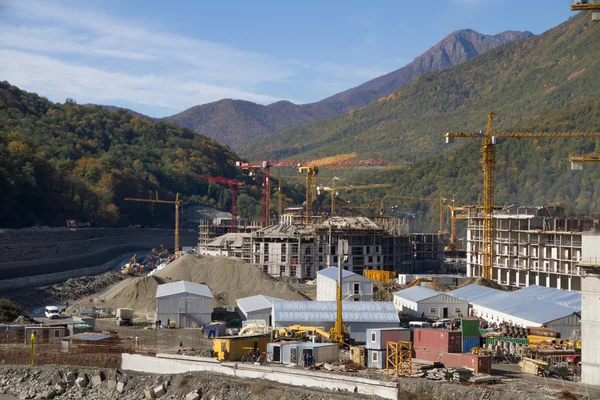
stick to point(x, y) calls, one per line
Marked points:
point(420, 280)
point(128, 268)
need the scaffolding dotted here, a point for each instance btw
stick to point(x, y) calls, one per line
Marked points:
point(378, 275)
point(399, 358)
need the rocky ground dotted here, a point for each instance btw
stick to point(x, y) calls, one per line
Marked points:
point(49, 382)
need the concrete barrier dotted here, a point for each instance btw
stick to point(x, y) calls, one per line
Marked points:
point(177, 364)
point(56, 277)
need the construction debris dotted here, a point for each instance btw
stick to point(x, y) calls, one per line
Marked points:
point(531, 366)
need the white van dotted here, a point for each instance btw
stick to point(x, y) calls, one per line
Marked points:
point(52, 312)
point(419, 324)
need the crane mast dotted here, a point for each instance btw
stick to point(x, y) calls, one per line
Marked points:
point(234, 186)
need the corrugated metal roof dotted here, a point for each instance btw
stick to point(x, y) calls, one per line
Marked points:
point(332, 273)
point(255, 303)
point(172, 288)
point(417, 293)
point(530, 309)
point(557, 296)
point(319, 311)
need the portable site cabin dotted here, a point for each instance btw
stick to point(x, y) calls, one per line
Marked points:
point(233, 348)
point(187, 304)
point(354, 287)
point(295, 353)
point(418, 300)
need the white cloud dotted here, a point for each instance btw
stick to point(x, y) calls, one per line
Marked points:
point(58, 80)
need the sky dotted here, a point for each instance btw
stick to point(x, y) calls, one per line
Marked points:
point(162, 57)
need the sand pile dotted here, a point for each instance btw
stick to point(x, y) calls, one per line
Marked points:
point(228, 280)
point(438, 286)
point(384, 291)
point(483, 282)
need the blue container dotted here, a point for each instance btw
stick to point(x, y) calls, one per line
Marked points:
point(469, 343)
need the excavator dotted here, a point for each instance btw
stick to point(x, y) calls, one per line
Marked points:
point(420, 280)
point(128, 268)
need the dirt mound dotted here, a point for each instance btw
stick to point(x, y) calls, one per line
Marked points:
point(483, 282)
point(228, 280)
point(384, 291)
point(438, 286)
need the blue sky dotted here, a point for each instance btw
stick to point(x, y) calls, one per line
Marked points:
point(160, 58)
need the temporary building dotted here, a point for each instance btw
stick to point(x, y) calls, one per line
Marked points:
point(519, 309)
point(233, 348)
point(420, 301)
point(377, 339)
point(256, 308)
point(354, 287)
point(565, 298)
point(188, 304)
point(297, 353)
point(358, 316)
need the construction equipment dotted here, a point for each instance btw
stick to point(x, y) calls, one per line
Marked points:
point(337, 332)
point(421, 280)
point(128, 268)
point(312, 168)
point(441, 199)
point(300, 331)
point(234, 186)
point(587, 5)
point(266, 166)
point(335, 190)
point(488, 163)
point(178, 203)
point(124, 316)
point(398, 358)
point(577, 160)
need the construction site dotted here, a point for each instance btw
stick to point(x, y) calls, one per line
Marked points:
point(318, 299)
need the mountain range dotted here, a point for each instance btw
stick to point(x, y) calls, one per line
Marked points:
point(238, 123)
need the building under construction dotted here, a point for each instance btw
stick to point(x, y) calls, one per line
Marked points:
point(533, 246)
point(210, 229)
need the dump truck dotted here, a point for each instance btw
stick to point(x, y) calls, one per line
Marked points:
point(124, 316)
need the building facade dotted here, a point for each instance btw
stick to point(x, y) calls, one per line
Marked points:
point(532, 246)
point(419, 301)
point(354, 287)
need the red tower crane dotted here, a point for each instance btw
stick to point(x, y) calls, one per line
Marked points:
point(234, 185)
point(268, 164)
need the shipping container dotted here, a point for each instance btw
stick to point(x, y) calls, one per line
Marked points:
point(469, 327)
point(233, 348)
point(438, 340)
point(469, 343)
point(377, 339)
point(376, 358)
point(294, 353)
point(475, 362)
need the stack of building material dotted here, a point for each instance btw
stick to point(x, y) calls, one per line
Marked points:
point(469, 329)
point(532, 366)
point(377, 340)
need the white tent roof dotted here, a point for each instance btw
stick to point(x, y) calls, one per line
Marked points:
point(318, 311)
point(169, 289)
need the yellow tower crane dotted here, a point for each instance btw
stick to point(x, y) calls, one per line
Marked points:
point(587, 5)
point(441, 199)
point(577, 160)
point(177, 204)
point(488, 163)
point(335, 189)
point(312, 168)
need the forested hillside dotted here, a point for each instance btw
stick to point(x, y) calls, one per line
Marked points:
point(520, 81)
point(237, 123)
point(60, 161)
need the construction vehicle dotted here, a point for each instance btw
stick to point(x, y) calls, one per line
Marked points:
point(178, 203)
point(421, 280)
point(124, 316)
point(72, 223)
point(301, 331)
point(128, 268)
point(234, 186)
point(488, 163)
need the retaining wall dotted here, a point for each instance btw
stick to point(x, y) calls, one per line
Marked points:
point(177, 364)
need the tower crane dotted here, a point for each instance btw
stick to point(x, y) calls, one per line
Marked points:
point(587, 5)
point(441, 199)
point(177, 204)
point(266, 166)
point(234, 185)
point(335, 189)
point(312, 168)
point(577, 160)
point(488, 163)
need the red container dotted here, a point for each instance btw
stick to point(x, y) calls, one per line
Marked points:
point(475, 362)
point(438, 340)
